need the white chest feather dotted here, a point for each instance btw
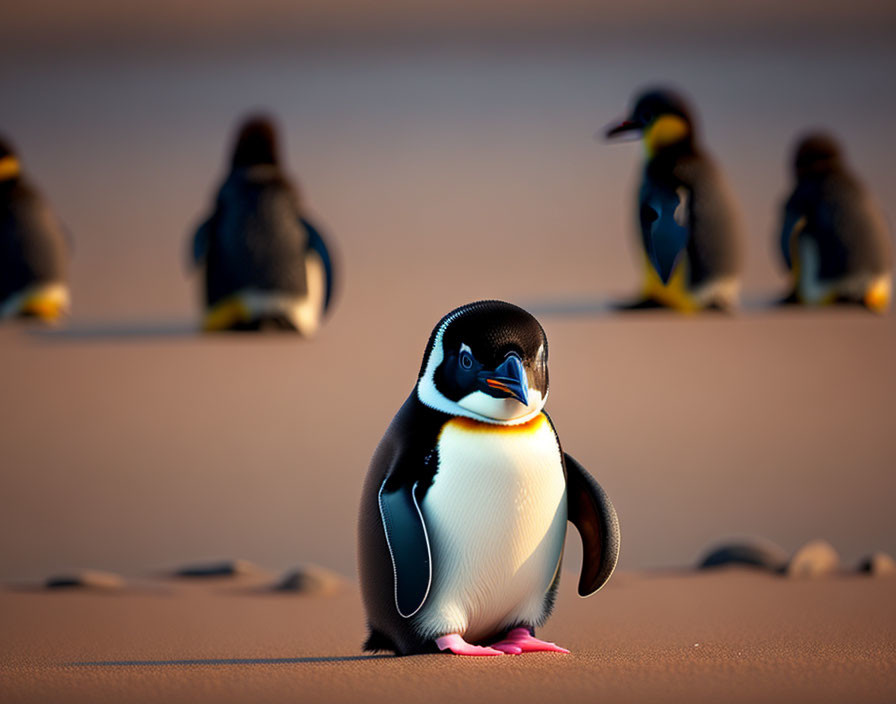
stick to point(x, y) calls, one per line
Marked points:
point(304, 311)
point(496, 517)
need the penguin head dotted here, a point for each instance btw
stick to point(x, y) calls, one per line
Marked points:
point(661, 117)
point(817, 153)
point(486, 361)
point(256, 143)
point(9, 162)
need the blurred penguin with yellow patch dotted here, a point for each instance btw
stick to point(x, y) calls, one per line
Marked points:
point(266, 265)
point(834, 239)
point(33, 248)
point(690, 232)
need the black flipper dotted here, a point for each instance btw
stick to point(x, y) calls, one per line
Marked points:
point(316, 242)
point(408, 545)
point(200, 243)
point(591, 512)
point(792, 225)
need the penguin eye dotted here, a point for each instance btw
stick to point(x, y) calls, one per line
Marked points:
point(466, 358)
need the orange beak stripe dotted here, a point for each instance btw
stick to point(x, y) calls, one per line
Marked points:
point(495, 384)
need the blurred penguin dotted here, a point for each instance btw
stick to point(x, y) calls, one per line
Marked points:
point(690, 233)
point(33, 248)
point(266, 265)
point(834, 239)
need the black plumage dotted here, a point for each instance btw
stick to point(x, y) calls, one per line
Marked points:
point(34, 246)
point(396, 562)
point(831, 211)
point(686, 213)
point(258, 238)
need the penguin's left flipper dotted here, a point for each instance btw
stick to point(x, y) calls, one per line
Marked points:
point(408, 544)
point(591, 512)
point(317, 244)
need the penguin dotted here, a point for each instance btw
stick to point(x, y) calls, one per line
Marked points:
point(266, 265)
point(690, 231)
point(464, 509)
point(834, 239)
point(34, 248)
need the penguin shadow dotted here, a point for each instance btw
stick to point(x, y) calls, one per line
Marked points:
point(619, 307)
point(124, 330)
point(219, 662)
point(591, 307)
point(151, 330)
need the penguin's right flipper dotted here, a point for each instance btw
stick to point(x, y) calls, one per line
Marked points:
point(201, 241)
point(316, 243)
point(408, 544)
point(592, 513)
point(793, 224)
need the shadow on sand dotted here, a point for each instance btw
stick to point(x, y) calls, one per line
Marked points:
point(117, 331)
point(622, 307)
point(229, 661)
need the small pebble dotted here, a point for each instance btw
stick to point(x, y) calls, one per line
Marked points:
point(85, 579)
point(226, 568)
point(878, 564)
point(815, 559)
point(755, 552)
point(310, 579)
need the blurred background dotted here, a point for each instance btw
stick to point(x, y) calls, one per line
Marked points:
point(447, 149)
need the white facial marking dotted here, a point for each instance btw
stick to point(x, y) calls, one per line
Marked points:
point(430, 396)
point(501, 408)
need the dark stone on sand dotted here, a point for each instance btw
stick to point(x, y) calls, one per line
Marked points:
point(878, 564)
point(85, 579)
point(815, 559)
point(225, 568)
point(759, 554)
point(310, 579)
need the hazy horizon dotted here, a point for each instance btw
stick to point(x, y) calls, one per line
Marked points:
point(104, 26)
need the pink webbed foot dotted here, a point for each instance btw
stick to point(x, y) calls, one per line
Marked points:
point(457, 645)
point(519, 641)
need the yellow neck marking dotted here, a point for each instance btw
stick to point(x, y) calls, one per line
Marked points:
point(663, 131)
point(9, 168)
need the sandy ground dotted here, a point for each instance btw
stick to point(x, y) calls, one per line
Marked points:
point(135, 452)
point(731, 636)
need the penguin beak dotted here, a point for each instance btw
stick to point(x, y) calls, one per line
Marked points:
point(625, 127)
point(507, 381)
